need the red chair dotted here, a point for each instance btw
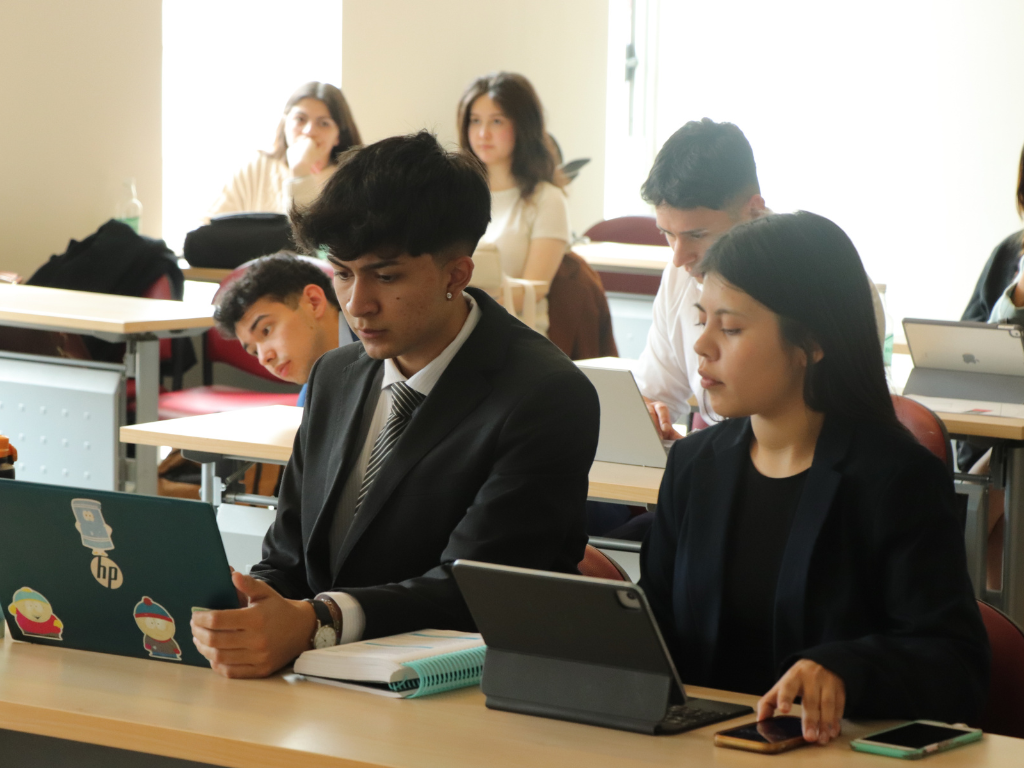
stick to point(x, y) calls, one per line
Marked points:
point(637, 230)
point(217, 398)
point(928, 428)
point(1004, 711)
point(597, 564)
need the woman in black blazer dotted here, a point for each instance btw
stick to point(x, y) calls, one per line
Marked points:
point(808, 546)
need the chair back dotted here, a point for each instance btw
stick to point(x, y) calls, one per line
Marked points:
point(1004, 711)
point(637, 230)
point(928, 428)
point(229, 351)
point(597, 564)
point(489, 275)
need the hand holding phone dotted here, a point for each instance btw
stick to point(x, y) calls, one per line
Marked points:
point(776, 734)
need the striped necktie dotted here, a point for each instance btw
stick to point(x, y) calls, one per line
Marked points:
point(404, 400)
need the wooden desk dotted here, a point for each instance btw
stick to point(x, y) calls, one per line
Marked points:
point(194, 714)
point(205, 274)
point(267, 434)
point(624, 257)
point(137, 322)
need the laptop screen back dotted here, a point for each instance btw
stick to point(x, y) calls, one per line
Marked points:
point(627, 435)
point(110, 572)
point(966, 347)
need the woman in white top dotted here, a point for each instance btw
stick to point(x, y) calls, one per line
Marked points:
point(501, 121)
point(316, 127)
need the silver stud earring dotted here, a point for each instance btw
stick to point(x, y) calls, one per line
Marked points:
point(449, 296)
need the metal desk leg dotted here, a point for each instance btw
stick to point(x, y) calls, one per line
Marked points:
point(210, 486)
point(1013, 536)
point(147, 394)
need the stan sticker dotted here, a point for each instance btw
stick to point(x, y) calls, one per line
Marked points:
point(96, 537)
point(157, 627)
point(34, 615)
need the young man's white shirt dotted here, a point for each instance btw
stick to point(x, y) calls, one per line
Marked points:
point(667, 370)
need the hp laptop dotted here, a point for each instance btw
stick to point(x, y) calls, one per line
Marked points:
point(110, 572)
point(965, 361)
point(578, 648)
point(627, 436)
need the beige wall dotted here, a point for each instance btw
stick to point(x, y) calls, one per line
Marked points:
point(80, 96)
point(405, 63)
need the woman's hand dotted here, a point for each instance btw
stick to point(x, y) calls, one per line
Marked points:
point(305, 157)
point(823, 699)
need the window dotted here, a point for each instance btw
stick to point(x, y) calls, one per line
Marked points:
point(228, 68)
point(900, 120)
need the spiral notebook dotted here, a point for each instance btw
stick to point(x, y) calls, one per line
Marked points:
point(401, 666)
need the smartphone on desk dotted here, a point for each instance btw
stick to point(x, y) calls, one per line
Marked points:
point(917, 739)
point(776, 734)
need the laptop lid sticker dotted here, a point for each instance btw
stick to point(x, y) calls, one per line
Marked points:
point(157, 627)
point(97, 537)
point(34, 615)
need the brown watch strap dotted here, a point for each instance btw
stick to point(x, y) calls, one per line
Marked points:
point(335, 612)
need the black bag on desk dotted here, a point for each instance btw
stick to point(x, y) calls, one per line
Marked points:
point(235, 238)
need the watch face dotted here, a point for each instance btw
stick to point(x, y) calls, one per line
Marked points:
point(325, 637)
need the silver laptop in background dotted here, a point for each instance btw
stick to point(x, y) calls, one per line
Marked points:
point(965, 361)
point(627, 436)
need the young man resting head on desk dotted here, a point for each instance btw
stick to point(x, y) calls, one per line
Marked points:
point(452, 431)
point(284, 311)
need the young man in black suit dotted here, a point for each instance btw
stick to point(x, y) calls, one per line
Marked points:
point(452, 431)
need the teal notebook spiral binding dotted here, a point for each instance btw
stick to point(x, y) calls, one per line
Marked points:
point(443, 673)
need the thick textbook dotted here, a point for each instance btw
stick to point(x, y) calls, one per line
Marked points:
point(401, 666)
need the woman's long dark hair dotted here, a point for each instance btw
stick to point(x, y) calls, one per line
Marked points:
point(532, 161)
point(334, 100)
point(806, 270)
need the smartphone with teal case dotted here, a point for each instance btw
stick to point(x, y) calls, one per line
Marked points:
point(917, 739)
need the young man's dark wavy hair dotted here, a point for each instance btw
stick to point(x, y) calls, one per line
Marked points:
point(703, 165)
point(281, 277)
point(402, 195)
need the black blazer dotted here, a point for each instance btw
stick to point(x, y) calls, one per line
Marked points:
point(873, 584)
point(999, 271)
point(493, 466)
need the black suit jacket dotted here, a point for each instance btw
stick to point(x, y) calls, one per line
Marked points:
point(873, 584)
point(493, 466)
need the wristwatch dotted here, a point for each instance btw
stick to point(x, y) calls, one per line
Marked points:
point(325, 635)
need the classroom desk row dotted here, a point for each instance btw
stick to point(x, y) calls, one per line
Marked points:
point(193, 714)
point(138, 323)
point(267, 434)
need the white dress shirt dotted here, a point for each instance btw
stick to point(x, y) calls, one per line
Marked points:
point(423, 381)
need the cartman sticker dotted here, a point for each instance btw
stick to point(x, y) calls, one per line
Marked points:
point(157, 627)
point(34, 615)
point(96, 536)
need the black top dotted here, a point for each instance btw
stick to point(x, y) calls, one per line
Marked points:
point(999, 271)
point(762, 516)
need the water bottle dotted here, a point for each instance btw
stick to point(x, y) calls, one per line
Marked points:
point(129, 209)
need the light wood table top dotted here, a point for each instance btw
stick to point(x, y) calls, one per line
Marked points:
point(624, 257)
point(193, 714)
point(205, 274)
point(268, 433)
point(1001, 427)
point(97, 312)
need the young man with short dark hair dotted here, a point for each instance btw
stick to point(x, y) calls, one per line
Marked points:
point(452, 431)
point(702, 184)
point(284, 311)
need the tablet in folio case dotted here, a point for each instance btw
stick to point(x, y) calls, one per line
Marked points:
point(578, 648)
